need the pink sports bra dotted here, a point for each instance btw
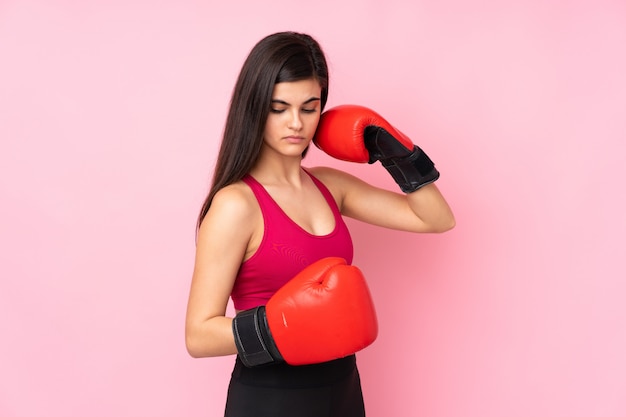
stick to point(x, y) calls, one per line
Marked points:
point(285, 249)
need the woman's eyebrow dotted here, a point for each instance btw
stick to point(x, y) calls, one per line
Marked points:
point(278, 101)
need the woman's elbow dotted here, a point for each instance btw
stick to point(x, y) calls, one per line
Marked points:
point(451, 223)
point(193, 347)
point(197, 345)
point(445, 225)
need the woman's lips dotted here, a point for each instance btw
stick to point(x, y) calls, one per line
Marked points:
point(294, 139)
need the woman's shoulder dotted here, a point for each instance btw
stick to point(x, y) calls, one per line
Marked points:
point(324, 173)
point(231, 222)
point(332, 178)
point(233, 204)
point(336, 181)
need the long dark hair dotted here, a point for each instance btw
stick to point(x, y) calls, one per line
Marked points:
point(280, 57)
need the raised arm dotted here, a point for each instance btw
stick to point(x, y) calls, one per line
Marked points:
point(358, 134)
point(422, 211)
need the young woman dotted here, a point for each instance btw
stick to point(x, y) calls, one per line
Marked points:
point(267, 219)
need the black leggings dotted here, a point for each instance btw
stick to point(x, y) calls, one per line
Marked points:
point(330, 389)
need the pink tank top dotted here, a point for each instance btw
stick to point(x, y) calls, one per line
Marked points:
point(285, 249)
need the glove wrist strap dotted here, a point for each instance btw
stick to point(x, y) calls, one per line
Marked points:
point(413, 171)
point(253, 339)
point(410, 167)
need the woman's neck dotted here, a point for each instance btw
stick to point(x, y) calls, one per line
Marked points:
point(283, 170)
point(275, 168)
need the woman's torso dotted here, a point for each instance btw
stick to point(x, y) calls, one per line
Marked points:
point(285, 248)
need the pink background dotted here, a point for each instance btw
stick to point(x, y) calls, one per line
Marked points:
point(110, 117)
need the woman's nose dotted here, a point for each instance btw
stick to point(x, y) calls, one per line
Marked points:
point(295, 122)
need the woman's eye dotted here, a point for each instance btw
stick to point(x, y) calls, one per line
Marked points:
point(278, 111)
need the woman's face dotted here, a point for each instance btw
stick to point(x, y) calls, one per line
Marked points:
point(294, 114)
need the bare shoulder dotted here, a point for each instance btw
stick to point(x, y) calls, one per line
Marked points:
point(336, 180)
point(236, 198)
point(339, 183)
point(232, 206)
point(330, 176)
point(322, 172)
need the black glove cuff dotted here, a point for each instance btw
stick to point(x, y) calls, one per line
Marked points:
point(253, 338)
point(413, 171)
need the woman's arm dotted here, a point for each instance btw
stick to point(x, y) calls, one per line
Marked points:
point(421, 211)
point(358, 134)
point(221, 246)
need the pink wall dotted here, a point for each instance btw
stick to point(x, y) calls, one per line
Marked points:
point(110, 116)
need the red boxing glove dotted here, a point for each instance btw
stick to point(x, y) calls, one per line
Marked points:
point(357, 134)
point(324, 313)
